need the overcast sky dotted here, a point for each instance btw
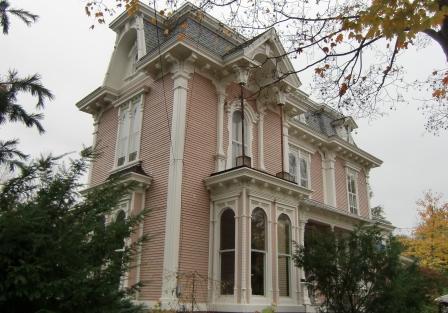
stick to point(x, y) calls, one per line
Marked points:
point(73, 59)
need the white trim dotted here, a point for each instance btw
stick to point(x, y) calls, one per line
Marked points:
point(301, 154)
point(174, 192)
point(350, 172)
point(261, 165)
point(251, 120)
point(129, 105)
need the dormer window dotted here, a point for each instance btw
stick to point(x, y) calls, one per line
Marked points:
point(129, 128)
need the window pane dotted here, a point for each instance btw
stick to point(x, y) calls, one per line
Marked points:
point(283, 275)
point(284, 234)
point(227, 230)
point(134, 138)
point(123, 136)
point(257, 273)
point(258, 225)
point(236, 131)
point(227, 272)
point(293, 166)
point(303, 172)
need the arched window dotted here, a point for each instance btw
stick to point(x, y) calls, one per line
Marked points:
point(258, 251)
point(227, 251)
point(237, 136)
point(284, 254)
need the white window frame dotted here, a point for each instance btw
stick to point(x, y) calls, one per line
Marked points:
point(220, 251)
point(267, 273)
point(288, 256)
point(250, 119)
point(301, 154)
point(352, 174)
point(128, 107)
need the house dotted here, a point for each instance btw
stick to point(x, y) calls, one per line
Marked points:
point(232, 172)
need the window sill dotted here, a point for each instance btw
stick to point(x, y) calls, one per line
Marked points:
point(124, 166)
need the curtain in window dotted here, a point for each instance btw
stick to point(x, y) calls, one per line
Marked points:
point(258, 251)
point(303, 171)
point(227, 251)
point(237, 137)
point(123, 134)
point(293, 166)
point(284, 254)
point(136, 117)
point(352, 196)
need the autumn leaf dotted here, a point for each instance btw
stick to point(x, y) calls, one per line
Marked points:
point(339, 38)
point(343, 89)
point(445, 80)
point(325, 49)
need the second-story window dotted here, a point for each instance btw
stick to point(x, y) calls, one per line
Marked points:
point(237, 137)
point(352, 191)
point(129, 131)
point(299, 166)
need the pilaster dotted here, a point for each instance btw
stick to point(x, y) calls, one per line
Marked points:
point(261, 165)
point(303, 293)
point(328, 166)
point(180, 77)
point(220, 156)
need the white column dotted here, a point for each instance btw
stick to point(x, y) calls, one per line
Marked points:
point(246, 289)
point(173, 207)
point(330, 178)
point(141, 45)
point(304, 289)
point(261, 141)
point(220, 157)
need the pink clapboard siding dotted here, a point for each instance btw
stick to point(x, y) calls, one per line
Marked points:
point(199, 162)
point(316, 177)
point(272, 145)
point(363, 194)
point(105, 140)
point(341, 184)
point(154, 153)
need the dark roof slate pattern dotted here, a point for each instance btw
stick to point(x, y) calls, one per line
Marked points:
point(194, 31)
point(320, 122)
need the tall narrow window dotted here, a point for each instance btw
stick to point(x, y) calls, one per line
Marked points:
point(303, 165)
point(352, 192)
point(237, 136)
point(299, 166)
point(293, 165)
point(129, 129)
point(284, 254)
point(227, 252)
point(258, 252)
point(120, 248)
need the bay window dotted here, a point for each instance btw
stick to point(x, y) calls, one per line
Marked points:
point(258, 252)
point(129, 129)
point(284, 254)
point(227, 251)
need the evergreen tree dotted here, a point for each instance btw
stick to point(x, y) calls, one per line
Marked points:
point(57, 253)
point(11, 85)
point(360, 272)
